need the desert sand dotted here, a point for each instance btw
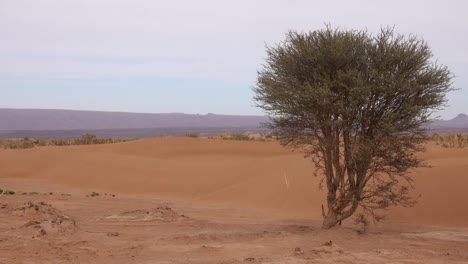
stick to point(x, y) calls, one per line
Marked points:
point(194, 200)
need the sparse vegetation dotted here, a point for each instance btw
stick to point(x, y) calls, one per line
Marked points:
point(237, 136)
point(10, 192)
point(451, 140)
point(261, 137)
point(7, 192)
point(94, 194)
point(362, 221)
point(193, 135)
point(17, 144)
point(87, 139)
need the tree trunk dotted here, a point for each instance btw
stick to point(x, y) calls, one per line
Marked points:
point(331, 219)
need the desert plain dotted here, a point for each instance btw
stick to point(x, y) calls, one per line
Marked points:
point(196, 200)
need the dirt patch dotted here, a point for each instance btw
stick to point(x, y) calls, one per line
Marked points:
point(326, 250)
point(36, 210)
point(44, 219)
point(441, 235)
point(162, 214)
point(225, 236)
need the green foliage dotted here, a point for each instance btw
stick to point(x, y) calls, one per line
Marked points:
point(7, 192)
point(356, 103)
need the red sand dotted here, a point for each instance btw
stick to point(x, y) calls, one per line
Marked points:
point(246, 180)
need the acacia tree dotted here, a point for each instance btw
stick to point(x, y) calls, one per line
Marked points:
point(356, 103)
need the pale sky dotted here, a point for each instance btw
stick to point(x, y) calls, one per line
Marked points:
point(188, 56)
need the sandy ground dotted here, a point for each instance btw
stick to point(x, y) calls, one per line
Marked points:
point(184, 200)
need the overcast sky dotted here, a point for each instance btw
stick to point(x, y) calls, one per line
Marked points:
point(188, 56)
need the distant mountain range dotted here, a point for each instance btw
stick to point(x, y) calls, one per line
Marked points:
point(42, 123)
point(40, 119)
point(45, 123)
point(460, 121)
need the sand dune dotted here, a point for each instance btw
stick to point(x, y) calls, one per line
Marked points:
point(255, 175)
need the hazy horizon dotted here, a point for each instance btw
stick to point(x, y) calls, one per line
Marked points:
point(209, 113)
point(188, 57)
point(130, 112)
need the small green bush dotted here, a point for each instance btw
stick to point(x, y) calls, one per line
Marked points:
point(362, 220)
point(41, 143)
point(9, 192)
point(237, 136)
